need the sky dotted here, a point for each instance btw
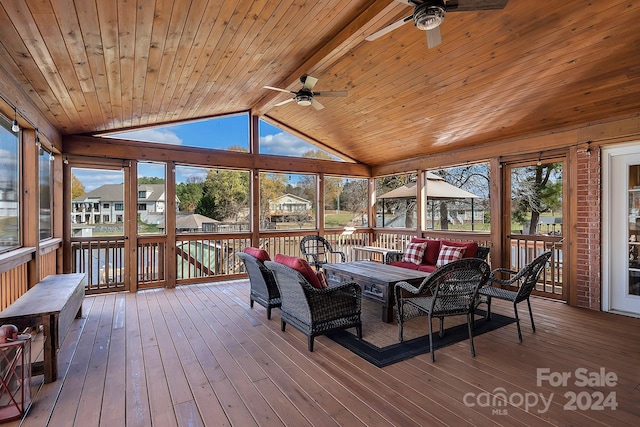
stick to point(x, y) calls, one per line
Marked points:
point(219, 133)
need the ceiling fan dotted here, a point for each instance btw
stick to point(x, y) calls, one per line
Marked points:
point(429, 14)
point(305, 96)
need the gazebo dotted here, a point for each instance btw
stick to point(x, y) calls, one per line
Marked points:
point(437, 189)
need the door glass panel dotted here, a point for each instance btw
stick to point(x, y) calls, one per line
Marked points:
point(151, 202)
point(536, 199)
point(634, 230)
point(97, 227)
point(536, 221)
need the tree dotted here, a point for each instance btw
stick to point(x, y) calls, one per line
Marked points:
point(534, 190)
point(150, 180)
point(318, 154)
point(354, 197)
point(206, 206)
point(229, 190)
point(189, 193)
point(77, 187)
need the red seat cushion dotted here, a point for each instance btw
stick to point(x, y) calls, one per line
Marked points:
point(261, 254)
point(302, 267)
point(427, 268)
point(432, 251)
point(471, 248)
point(322, 278)
point(403, 264)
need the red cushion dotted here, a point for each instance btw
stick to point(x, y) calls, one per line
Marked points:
point(302, 267)
point(402, 264)
point(427, 268)
point(432, 251)
point(261, 254)
point(471, 247)
point(322, 278)
point(449, 254)
point(414, 253)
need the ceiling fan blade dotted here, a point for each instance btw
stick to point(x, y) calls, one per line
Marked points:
point(316, 104)
point(335, 93)
point(469, 5)
point(434, 38)
point(278, 89)
point(388, 28)
point(286, 101)
point(309, 82)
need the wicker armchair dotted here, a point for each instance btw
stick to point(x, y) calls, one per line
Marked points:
point(264, 289)
point(526, 278)
point(317, 251)
point(316, 311)
point(451, 290)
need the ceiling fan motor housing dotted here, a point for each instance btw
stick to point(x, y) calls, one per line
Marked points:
point(429, 15)
point(304, 99)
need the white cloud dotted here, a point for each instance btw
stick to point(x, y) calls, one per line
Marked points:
point(162, 136)
point(284, 144)
point(94, 178)
point(183, 173)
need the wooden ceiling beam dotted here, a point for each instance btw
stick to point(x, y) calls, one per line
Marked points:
point(332, 51)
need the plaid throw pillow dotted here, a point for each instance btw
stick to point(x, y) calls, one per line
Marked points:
point(414, 252)
point(448, 254)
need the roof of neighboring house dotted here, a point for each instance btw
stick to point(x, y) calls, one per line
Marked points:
point(192, 221)
point(115, 193)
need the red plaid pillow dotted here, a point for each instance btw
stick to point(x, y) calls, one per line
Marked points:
point(448, 254)
point(414, 252)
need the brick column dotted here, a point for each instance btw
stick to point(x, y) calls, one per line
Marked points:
point(588, 230)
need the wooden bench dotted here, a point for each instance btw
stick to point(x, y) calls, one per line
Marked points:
point(53, 303)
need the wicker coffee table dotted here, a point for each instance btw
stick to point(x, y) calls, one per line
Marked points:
point(376, 279)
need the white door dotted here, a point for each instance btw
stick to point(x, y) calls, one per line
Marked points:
point(621, 226)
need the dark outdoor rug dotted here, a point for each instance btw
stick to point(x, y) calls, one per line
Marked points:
point(384, 356)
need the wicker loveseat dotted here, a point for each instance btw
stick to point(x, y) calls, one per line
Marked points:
point(434, 249)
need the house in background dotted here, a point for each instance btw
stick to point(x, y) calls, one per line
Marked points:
point(289, 207)
point(105, 204)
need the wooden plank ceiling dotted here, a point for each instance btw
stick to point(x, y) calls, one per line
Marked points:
point(532, 67)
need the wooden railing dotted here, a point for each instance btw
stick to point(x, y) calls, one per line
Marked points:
point(13, 284)
point(526, 247)
point(151, 261)
point(102, 259)
point(48, 257)
point(14, 271)
point(210, 257)
point(207, 257)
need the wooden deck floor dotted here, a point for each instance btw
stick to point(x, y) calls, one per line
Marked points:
point(198, 355)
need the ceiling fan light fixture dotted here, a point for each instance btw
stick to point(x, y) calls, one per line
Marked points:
point(304, 100)
point(428, 17)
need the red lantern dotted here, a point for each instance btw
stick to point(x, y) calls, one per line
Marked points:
point(8, 333)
